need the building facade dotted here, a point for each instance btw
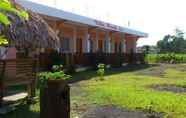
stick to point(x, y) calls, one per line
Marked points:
point(80, 34)
point(83, 39)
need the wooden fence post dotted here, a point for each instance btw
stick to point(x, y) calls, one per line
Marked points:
point(55, 100)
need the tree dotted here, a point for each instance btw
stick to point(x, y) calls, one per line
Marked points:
point(173, 43)
point(5, 8)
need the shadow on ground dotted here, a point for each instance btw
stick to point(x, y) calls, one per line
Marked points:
point(86, 75)
point(22, 111)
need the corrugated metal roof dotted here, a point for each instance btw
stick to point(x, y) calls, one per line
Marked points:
point(54, 12)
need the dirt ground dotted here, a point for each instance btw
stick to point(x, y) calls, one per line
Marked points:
point(158, 70)
point(170, 88)
point(114, 112)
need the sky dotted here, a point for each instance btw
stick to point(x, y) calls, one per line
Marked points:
point(155, 17)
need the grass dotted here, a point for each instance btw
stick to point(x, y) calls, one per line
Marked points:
point(131, 92)
point(126, 90)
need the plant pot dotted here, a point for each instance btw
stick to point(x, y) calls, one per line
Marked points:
point(55, 100)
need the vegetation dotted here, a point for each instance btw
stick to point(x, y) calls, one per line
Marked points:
point(56, 73)
point(129, 90)
point(101, 71)
point(5, 9)
point(3, 40)
point(166, 58)
point(173, 43)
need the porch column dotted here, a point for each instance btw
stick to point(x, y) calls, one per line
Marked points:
point(118, 45)
point(107, 43)
point(112, 43)
point(86, 42)
point(135, 44)
point(73, 41)
point(96, 42)
point(123, 46)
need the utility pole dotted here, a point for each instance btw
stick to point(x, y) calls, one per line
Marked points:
point(128, 23)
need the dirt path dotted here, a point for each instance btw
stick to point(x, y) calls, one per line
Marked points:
point(114, 112)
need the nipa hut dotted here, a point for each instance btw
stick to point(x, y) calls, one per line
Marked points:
point(33, 32)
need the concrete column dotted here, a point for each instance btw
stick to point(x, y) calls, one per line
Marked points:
point(103, 45)
point(112, 43)
point(73, 41)
point(96, 40)
point(131, 45)
point(85, 42)
point(123, 46)
point(135, 45)
point(118, 45)
point(107, 43)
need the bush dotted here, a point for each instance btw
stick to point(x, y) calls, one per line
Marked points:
point(166, 58)
point(101, 71)
point(56, 73)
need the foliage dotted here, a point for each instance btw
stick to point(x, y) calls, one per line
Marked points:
point(4, 20)
point(173, 43)
point(125, 90)
point(55, 58)
point(166, 58)
point(101, 71)
point(7, 7)
point(3, 40)
point(56, 73)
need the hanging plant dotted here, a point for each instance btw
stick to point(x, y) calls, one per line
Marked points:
point(4, 19)
point(6, 8)
point(3, 40)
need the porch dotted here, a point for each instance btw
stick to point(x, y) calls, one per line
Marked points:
point(92, 59)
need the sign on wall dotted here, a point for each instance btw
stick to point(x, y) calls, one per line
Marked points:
point(108, 25)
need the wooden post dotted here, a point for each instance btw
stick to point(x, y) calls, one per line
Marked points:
point(55, 100)
point(1, 82)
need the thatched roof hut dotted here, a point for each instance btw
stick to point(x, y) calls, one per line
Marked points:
point(31, 33)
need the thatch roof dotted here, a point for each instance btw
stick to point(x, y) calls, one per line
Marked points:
point(31, 33)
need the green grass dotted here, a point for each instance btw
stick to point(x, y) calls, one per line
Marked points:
point(130, 91)
point(174, 74)
point(167, 57)
point(125, 90)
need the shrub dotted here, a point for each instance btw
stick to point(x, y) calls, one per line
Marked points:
point(166, 58)
point(101, 71)
point(56, 73)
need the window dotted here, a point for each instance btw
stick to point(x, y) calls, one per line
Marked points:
point(65, 45)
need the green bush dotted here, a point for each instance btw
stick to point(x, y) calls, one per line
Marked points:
point(166, 58)
point(101, 71)
point(56, 73)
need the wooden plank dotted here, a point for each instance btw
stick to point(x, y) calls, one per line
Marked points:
point(18, 72)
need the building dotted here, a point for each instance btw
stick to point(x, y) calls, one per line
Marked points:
point(83, 35)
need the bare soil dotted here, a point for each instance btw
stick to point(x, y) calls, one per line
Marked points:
point(171, 88)
point(114, 112)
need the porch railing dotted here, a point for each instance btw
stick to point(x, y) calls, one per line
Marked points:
point(92, 59)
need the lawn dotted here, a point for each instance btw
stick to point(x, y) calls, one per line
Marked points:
point(127, 88)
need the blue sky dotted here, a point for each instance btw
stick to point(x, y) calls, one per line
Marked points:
point(156, 17)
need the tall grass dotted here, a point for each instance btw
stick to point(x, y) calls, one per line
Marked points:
point(166, 58)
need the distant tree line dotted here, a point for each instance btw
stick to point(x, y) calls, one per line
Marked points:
point(175, 43)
